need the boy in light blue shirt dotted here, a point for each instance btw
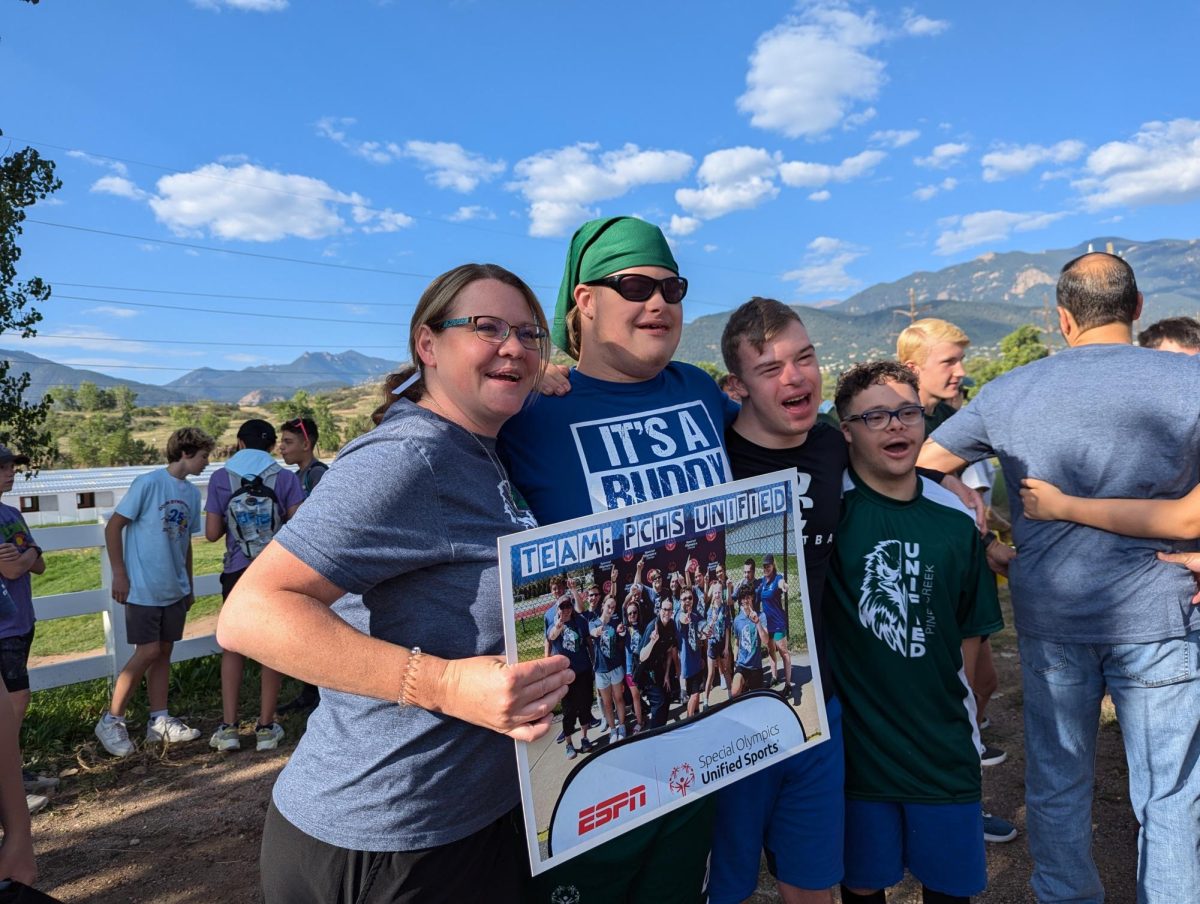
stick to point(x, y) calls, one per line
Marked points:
point(149, 540)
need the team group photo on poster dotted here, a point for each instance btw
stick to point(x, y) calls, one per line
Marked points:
point(686, 622)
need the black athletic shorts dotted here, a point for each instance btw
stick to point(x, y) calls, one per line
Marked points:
point(14, 661)
point(695, 684)
point(151, 624)
point(228, 579)
point(490, 865)
point(752, 677)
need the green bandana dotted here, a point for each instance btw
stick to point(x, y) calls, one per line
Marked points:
point(600, 248)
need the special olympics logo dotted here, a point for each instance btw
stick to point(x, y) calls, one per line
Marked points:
point(565, 894)
point(711, 536)
point(628, 557)
point(670, 546)
point(682, 778)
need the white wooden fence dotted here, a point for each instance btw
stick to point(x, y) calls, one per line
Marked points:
point(85, 602)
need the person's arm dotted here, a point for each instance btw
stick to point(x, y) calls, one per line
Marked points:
point(556, 381)
point(648, 645)
point(214, 527)
point(970, 655)
point(15, 563)
point(1190, 561)
point(16, 854)
point(114, 542)
point(279, 615)
point(191, 597)
point(1171, 519)
point(938, 458)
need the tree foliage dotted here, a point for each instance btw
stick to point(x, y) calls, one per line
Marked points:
point(1021, 346)
point(316, 407)
point(25, 179)
point(211, 418)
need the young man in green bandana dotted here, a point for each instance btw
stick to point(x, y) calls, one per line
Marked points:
point(635, 426)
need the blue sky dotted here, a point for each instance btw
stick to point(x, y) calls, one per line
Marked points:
point(350, 152)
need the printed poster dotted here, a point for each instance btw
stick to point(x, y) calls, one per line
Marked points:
point(687, 621)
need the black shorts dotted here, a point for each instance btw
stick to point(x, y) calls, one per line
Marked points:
point(716, 648)
point(14, 661)
point(490, 865)
point(695, 683)
point(228, 579)
point(752, 677)
point(152, 624)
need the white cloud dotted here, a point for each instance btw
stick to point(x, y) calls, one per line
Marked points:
point(680, 226)
point(1012, 160)
point(925, 192)
point(922, 26)
point(809, 73)
point(731, 179)
point(709, 249)
point(821, 195)
point(817, 69)
point(386, 220)
point(559, 185)
point(1160, 165)
point(988, 226)
point(824, 268)
point(451, 166)
point(88, 337)
point(244, 358)
point(798, 174)
point(895, 138)
point(253, 6)
point(334, 128)
point(854, 120)
point(112, 311)
point(119, 186)
point(943, 155)
point(115, 165)
point(471, 212)
point(249, 203)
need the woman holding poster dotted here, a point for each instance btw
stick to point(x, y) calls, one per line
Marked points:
point(384, 590)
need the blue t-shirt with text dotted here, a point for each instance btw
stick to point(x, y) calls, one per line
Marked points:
point(163, 513)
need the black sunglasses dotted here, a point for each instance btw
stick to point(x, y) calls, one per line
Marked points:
point(638, 287)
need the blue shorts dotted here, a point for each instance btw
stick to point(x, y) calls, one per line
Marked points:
point(941, 844)
point(610, 678)
point(792, 810)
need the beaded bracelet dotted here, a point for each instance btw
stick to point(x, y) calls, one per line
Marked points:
point(407, 678)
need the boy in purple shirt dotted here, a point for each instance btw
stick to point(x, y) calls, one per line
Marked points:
point(256, 439)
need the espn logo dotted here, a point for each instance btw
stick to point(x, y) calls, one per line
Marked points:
point(607, 810)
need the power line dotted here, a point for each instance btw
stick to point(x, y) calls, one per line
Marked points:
point(377, 304)
point(306, 373)
point(194, 310)
point(293, 260)
point(305, 345)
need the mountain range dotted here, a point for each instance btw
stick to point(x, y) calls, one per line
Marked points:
point(312, 371)
point(988, 297)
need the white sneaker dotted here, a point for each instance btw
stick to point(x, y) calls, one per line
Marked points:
point(170, 729)
point(114, 737)
point(267, 737)
point(225, 738)
point(36, 802)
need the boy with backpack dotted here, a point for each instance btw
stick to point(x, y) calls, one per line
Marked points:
point(248, 501)
point(149, 540)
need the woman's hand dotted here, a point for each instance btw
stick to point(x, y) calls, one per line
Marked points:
point(516, 700)
point(1042, 501)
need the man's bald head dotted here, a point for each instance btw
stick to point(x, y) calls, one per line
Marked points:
point(1097, 289)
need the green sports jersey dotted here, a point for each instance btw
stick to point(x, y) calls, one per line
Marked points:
point(909, 581)
point(942, 412)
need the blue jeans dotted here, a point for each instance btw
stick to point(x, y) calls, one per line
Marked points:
point(1156, 690)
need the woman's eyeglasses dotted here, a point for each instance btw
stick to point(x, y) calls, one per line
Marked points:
point(638, 287)
point(496, 331)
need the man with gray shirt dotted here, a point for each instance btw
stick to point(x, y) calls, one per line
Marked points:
point(1096, 610)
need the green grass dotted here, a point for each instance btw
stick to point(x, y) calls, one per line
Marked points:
point(71, 570)
point(60, 721)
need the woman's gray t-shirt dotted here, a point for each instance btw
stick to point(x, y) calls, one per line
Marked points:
point(406, 522)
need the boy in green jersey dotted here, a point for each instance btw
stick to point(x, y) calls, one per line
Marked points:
point(908, 598)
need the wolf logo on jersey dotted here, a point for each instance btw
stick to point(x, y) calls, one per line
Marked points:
point(515, 506)
point(883, 606)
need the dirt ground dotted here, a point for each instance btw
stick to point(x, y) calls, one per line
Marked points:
point(183, 825)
